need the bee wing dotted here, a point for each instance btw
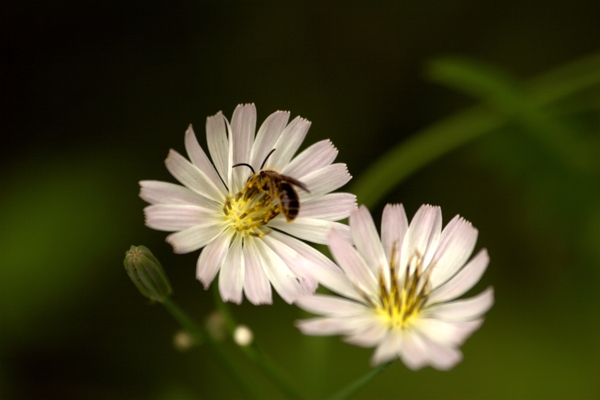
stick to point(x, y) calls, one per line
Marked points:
point(295, 182)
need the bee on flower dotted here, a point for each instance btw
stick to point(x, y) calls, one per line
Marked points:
point(248, 221)
point(398, 292)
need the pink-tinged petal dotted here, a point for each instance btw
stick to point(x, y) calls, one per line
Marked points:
point(189, 175)
point(389, 349)
point(321, 326)
point(231, 277)
point(333, 326)
point(422, 236)
point(317, 156)
point(455, 247)
point(449, 334)
point(330, 207)
point(288, 143)
point(211, 258)
point(323, 269)
point(330, 306)
point(281, 277)
point(464, 310)
point(200, 160)
point(164, 217)
point(310, 229)
point(256, 285)
point(324, 180)
point(195, 237)
point(156, 192)
point(266, 137)
point(296, 262)
point(370, 336)
point(394, 226)
point(243, 126)
point(442, 357)
point(366, 239)
point(218, 145)
point(352, 263)
point(464, 280)
point(415, 354)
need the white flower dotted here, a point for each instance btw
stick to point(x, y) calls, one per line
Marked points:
point(399, 292)
point(240, 224)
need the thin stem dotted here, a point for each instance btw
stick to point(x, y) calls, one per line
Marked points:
point(360, 382)
point(463, 127)
point(253, 352)
point(202, 337)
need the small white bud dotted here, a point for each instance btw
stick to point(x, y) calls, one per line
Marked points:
point(243, 335)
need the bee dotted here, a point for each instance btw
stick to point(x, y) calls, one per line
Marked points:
point(277, 186)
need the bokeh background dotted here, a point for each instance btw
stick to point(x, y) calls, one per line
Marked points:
point(93, 95)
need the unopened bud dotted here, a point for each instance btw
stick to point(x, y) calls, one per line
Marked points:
point(146, 273)
point(243, 336)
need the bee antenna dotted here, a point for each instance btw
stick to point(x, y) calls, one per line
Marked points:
point(243, 163)
point(266, 158)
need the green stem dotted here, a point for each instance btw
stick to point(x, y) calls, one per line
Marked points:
point(201, 337)
point(449, 134)
point(253, 352)
point(360, 382)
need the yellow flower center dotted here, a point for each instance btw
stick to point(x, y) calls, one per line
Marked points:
point(406, 295)
point(250, 210)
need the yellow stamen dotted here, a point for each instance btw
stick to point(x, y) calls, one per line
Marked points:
point(250, 210)
point(406, 296)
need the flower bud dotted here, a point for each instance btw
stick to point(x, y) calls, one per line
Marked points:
point(243, 336)
point(146, 273)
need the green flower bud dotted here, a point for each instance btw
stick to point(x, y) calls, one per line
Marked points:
point(146, 273)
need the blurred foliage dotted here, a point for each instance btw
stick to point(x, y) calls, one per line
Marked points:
point(93, 94)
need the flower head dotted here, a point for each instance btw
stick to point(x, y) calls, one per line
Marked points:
point(399, 291)
point(238, 210)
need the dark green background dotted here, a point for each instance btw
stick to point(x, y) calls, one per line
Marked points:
point(93, 94)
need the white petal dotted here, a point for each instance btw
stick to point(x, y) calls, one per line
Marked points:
point(300, 266)
point(369, 337)
point(462, 281)
point(415, 353)
point(200, 160)
point(455, 247)
point(464, 310)
point(388, 349)
point(189, 175)
point(422, 236)
point(231, 277)
point(366, 239)
point(256, 284)
point(334, 326)
point(211, 258)
point(315, 157)
point(442, 357)
point(166, 217)
point(330, 207)
point(243, 126)
point(393, 228)
point(281, 277)
point(321, 326)
point(330, 306)
point(324, 180)
point(323, 269)
point(352, 263)
point(267, 136)
point(449, 334)
point(310, 229)
point(195, 237)
point(156, 192)
point(218, 145)
point(288, 143)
